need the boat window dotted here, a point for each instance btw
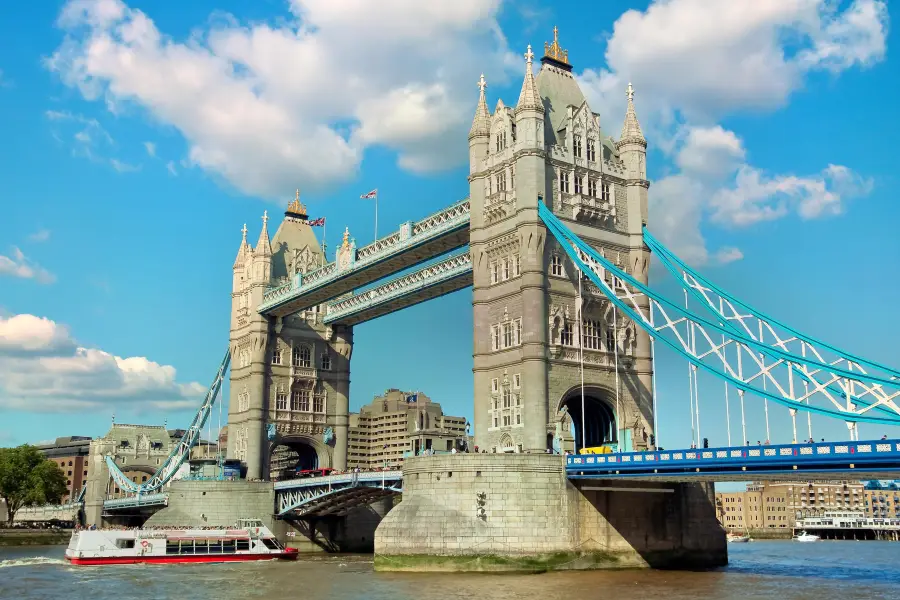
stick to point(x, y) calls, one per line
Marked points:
point(271, 544)
point(200, 546)
point(187, 547)
point(124, 543)
point(172, 547)
point(215, 546)
point(242, 545)
point(228, 546)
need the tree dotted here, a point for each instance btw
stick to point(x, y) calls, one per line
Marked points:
point(27, 478)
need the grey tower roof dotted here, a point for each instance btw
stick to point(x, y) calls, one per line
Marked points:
point(243, 251)
point(529, 97)
point(294, 235)
point(557, 87)
point(631, 129)
point(481, 124)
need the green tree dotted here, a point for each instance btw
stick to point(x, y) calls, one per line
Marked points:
point(27, 478)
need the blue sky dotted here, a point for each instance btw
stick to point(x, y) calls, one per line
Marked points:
point(138, 138)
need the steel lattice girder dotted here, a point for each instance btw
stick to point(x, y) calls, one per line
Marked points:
point(182, 450)
point(692, 336)
point(307, 500)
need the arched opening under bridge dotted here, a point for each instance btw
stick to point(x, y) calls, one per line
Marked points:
point(599, 417)
point(289, 456)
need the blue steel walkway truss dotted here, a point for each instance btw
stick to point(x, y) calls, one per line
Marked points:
point(334, 494)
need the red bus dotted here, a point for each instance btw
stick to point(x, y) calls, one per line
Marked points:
point(312, 473)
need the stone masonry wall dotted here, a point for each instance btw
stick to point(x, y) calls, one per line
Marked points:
point(216, 503)
point(466, 504)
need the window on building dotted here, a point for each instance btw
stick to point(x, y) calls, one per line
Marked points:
point(604, 192)
point(517, 381)
point(592, 188)
point(591, 335)
point(506, 334)
point(507, 397)
point(579, 184)
point(495, 337)
point(70, 463)
point(326, 361)
point(319, 404)
point(494, 385)
point(281, 402)
point(516, 265)
point(495, 271)
point(513, 132)
point(610, 340)
point(300, 400)
point(302, 357)
point(591, 150)
point(556, 266)
point(276, 356)
point(576, 145)
point(567, 338)
point(506, 268)
point(512, 168)
point(564, 182)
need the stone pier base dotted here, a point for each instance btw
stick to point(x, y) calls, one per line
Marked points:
point(518, 512)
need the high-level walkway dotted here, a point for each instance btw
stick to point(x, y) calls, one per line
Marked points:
point(412, 244)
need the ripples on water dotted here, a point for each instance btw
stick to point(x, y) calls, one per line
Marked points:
point(779, 570)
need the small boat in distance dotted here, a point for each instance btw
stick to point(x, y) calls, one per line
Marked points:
point(736, 538)
point(806, 537)
point(250, 539)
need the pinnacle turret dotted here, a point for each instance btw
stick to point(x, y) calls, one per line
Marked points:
point(481, 124)
point(263, 246)
point(529, 97)
point(242, 254)
point(631, 129)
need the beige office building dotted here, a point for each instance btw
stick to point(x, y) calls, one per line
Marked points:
point(777, 504)
point(399, 424)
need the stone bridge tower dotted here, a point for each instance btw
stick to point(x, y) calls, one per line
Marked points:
point(550, 147)
point(290, 377)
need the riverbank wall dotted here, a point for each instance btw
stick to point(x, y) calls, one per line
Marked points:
point(34, 537)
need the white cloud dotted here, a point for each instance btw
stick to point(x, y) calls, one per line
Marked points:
point(44, 370)
point(705, 59)
point(754, 197)
point(717, 184)
point(268, 105)
point(41, 235)
point(122, 167)
point(170, 167)
point(693, 61)
point(151, 148)
point(19, 265)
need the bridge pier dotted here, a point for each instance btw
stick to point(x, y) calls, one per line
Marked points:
point(518, 512)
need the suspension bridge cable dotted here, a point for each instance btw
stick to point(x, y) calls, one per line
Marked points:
point(662, 251)
point(616, 354)
point(581, 359)
point(653, 383)
point(577, 245)
point(727, 407)
point(690, 376)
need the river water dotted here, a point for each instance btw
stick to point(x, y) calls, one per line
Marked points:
point(780, 570)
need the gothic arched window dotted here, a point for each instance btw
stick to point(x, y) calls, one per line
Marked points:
point(302, 357)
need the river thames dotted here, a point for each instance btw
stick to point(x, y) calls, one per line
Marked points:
point(766, 569)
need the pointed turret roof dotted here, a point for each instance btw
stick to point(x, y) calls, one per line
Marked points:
point(481, 123)
point(263, 247)
point(529, 98)
point(294, 241)
point(242, 253)
point(631, 129)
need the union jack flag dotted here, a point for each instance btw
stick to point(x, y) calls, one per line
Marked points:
point(320, 222)
point(372, 194)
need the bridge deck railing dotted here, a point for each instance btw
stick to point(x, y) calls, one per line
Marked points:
point(868, 452)
point(341, 479)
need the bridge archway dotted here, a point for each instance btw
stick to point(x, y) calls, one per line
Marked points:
point(599, 416)
point(293, 452)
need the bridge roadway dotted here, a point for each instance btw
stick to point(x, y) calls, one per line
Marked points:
point(822, 461)
point(412, 244)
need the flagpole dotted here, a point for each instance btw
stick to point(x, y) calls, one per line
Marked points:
point(376, 215)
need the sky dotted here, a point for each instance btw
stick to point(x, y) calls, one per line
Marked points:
point(137, 138)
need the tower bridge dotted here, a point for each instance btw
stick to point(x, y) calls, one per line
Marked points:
point(553, 240)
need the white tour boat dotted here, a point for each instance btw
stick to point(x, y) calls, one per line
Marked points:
point(806, 537)
point(249, 540)
point(736, 538)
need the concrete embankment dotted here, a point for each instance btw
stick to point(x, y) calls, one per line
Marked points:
point(34, 537)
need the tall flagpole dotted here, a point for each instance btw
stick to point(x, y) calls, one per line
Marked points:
point(376, 214)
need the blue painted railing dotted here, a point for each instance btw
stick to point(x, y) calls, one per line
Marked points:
point(831, 456)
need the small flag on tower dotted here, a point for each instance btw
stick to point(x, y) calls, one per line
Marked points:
point(372, 194)
point(320, 222)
